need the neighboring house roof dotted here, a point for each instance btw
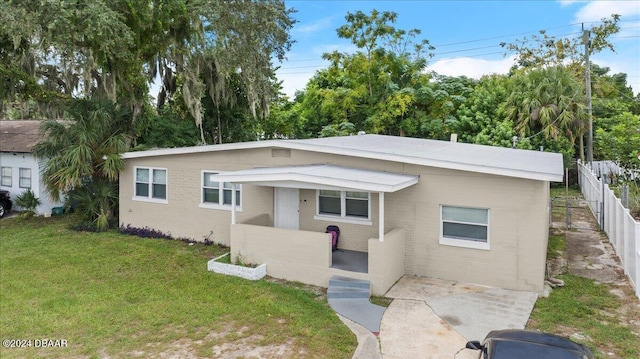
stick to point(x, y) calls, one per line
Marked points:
point(536, 165)
point(19, 135)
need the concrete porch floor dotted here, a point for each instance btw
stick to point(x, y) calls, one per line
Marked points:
point(352, 261)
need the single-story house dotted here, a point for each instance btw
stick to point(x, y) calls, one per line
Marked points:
point(439, 209)
point(19, 169)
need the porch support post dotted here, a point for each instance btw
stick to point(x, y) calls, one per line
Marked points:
point(381, 216)
point(233, 203)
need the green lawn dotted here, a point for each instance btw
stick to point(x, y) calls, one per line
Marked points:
point(601, 319)
point(585, 307)
point(116, 295)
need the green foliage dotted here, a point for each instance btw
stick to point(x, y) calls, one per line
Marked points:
point(375, 88)
point(226, 259)
point(611, 94)
point(341, 129)
point(283, 121)
point(166, 129)
point(619, 140)
point(544, 50)
point(381, 89)
point(83, 157)
point(97, 202)
point(548, 107)
point(114, 49)
point(28, 201)
point(548, 101)
point(557, 246)
point(479, 116)
point(616, 119)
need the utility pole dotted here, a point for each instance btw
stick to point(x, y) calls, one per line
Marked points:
point(587, 79)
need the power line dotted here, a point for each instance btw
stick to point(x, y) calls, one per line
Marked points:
point(497, 37)
point(506, 52)
point(465, 50)
point(435, 54)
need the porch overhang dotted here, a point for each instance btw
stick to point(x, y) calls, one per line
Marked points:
point(320, 176)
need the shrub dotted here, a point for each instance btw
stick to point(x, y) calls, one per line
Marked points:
point(29, 202)
point(147, 232)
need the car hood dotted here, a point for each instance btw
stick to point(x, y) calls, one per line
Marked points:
point(524, 344)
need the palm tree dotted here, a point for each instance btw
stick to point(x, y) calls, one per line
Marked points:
point(82, 157)
point(548, 101)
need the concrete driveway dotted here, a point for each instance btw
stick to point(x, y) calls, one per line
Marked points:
point(431, 318)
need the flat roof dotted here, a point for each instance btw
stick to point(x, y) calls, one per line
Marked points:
point(320, 176)
point(501, 161)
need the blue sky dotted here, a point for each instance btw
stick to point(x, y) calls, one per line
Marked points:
point(466, 34)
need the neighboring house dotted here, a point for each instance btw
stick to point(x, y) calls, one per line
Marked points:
point(455, 211)
point(19, 169)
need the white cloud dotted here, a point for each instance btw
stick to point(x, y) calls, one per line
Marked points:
point(565, 3)
point(596, 10)
point(471, 67)
point(292, 82)
point(344, 48)
point(316, 26)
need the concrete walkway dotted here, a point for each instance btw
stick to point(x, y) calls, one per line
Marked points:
point(431, 318)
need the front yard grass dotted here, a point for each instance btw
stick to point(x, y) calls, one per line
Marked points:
point(114, 295)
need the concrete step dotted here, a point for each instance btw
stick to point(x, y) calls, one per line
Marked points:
point(340, 281)
point(347, 293)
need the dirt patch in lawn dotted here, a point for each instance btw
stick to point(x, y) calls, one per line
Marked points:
point(228, 343)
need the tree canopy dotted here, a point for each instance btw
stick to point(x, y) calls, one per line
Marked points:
point(385, 87)
point(116, 48)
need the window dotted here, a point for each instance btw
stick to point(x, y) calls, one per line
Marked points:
point(218, 194)
point(344, 204)
point(151, 183)
point(466, 227)
point(6, 177)
point(25, 178)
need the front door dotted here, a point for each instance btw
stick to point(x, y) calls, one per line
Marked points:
point(287, 205)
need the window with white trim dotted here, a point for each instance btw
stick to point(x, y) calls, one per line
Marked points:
point(218, 194)
point(464, 226)
point(7, 177)
point(344, 204)
point(151, 183)
point(25, 178)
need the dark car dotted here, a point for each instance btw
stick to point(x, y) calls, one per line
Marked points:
point(528, 344)
point(5, 203)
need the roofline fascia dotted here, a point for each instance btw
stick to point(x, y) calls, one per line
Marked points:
point(436, 163)
point(292, 144)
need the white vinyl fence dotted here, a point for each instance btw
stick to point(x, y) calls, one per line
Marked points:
point(615, 220)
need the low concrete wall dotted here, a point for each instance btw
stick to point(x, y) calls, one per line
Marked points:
point(289, 254)
point(306, 256)
point(235, 270)
point(386, 260)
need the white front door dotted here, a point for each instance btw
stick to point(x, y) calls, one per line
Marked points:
point(287, 205)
